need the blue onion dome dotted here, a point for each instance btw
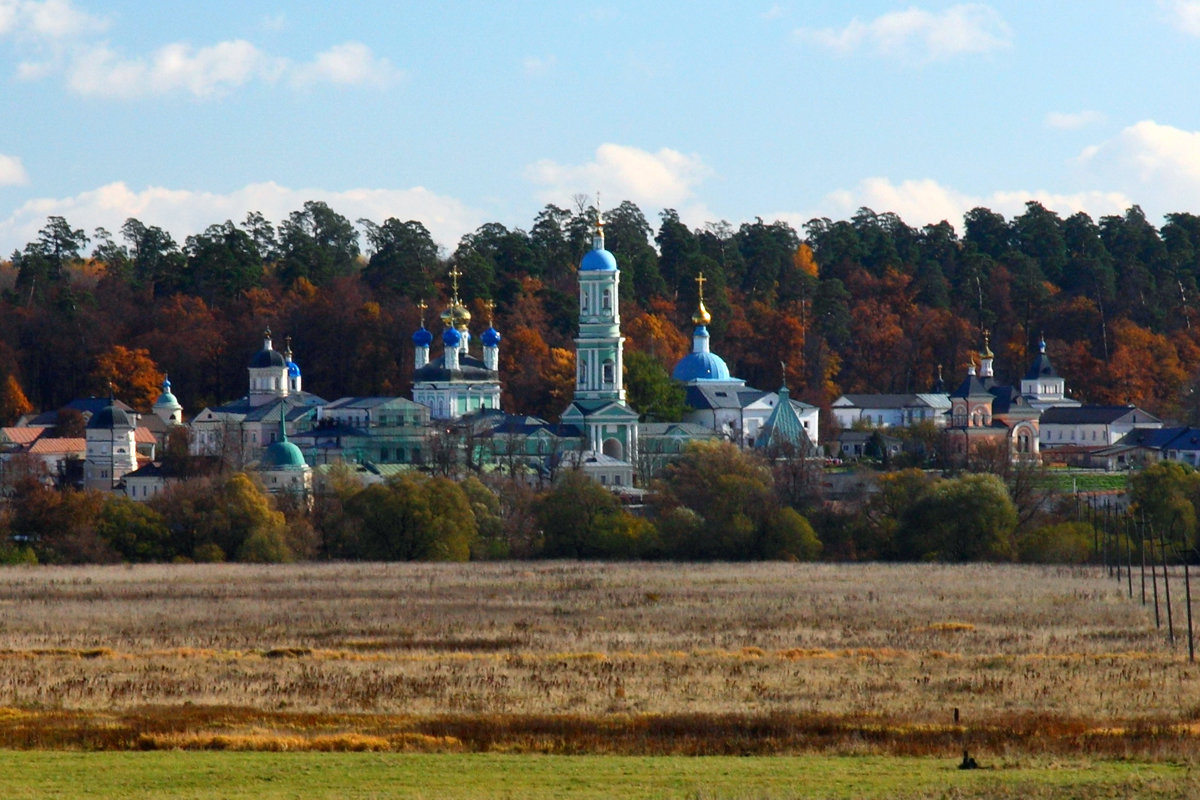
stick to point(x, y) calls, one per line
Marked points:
point(701, 366)
point(598, 260)
point(422, 338)
point(282, 455)
point(451, 337)
point(490, 337)
point(293, 369)
point(166, 398)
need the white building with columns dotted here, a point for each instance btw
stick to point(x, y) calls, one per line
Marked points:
point(608, 425)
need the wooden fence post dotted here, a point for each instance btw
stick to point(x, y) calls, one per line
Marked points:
point(1154, 581)
point(1167, 588)
point(1187, 586)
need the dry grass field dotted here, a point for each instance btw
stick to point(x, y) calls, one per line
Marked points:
point(592, 658)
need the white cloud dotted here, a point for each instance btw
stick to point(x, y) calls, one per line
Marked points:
point(202, 71)
point(220, 68)
point(184, 212)
point(1149, 164)
point(12, 171)
point(59, 39)
point(1071, 121)
point(666, 178)
point(1184, 15)
point(916, 33)
point(925, 201)
point(47, 20)
point(1158, 163)
point(347, 64)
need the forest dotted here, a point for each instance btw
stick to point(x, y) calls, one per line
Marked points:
point(868, 304)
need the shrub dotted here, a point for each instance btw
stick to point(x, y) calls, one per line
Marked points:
point(1065, 543)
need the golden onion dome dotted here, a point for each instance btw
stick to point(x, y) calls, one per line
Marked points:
point(456, 314)
point(701, 317)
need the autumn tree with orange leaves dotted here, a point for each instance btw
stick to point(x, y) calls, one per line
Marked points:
point(129, 374)
point(13, 402)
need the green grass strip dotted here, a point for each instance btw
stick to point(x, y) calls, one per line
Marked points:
point(264, 776)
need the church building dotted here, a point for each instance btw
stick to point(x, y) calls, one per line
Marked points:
point(725, 404)
point(456, 383)
point(599, 411)
point(240, 430)
point(985, 411)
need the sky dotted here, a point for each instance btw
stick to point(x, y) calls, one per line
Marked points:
point(462, 113)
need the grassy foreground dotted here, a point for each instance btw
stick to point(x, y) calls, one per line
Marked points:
point(264, 776)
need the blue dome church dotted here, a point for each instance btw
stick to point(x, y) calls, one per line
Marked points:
point(599, 411)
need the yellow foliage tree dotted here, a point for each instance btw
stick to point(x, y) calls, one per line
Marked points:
point(804, 261)
point(655, 335)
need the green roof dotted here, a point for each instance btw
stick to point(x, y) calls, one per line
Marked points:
point(783, 425)
point(282, 455)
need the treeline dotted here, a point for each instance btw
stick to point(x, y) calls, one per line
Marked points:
point(866, 304)
point(716, 502)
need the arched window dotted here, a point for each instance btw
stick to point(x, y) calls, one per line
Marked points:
point(608, 372)
point(582, 370)
point(583, 300)
point(606, 300)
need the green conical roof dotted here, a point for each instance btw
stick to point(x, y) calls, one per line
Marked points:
point(783, 425)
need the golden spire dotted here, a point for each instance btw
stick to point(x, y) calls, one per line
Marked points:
point(701, 317)
point(456, 313)
point(421, 306)
point(599, 221)
point(490, 306)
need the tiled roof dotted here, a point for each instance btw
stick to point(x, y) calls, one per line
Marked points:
point(46, 447)
point(23, 435)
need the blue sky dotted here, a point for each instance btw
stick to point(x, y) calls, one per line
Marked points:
point(458, 113)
